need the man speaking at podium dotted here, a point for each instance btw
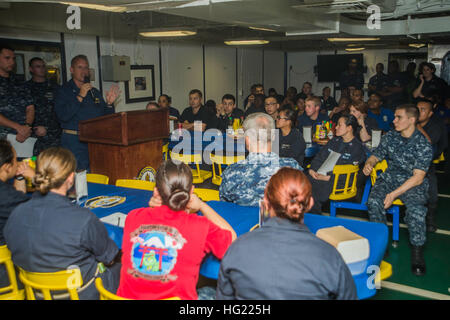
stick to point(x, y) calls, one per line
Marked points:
point(78, 100)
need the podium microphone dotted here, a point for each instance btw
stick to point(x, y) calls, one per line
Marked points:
point(88, 80)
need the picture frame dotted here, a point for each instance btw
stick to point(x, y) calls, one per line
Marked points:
point(141, 86)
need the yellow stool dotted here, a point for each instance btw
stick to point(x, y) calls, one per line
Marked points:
point(349, 190)
point(12, 291)
point(441, 158)
point(106, 295)
point(207, 194)
point(385, 272)
point(199, 176)
point(135, 184)
point(219, 161)
point(97, 178)
point(394, 209)
point(66, 280)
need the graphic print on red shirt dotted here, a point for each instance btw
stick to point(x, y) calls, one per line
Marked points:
point(154, 252)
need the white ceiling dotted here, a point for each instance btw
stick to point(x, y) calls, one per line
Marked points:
point(297, 24)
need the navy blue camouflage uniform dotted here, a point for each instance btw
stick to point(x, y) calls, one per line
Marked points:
point(403, 156)
point(244, 182)
point(15, 97)
point(44, 103)
point(70, 111)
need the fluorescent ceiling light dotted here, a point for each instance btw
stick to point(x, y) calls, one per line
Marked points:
point(95, 6)
point(167, 33)
point(262, 29)
point(351, 39)
point(417, 45)
point(354, 49)
point(245, 42)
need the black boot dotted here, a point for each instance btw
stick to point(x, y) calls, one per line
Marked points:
point(431, 213)
point(417, 260)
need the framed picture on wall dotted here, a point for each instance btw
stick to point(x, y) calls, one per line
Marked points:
point(141, 86)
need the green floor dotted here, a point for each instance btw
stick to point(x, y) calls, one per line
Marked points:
point(387, 294)
point(437, 254)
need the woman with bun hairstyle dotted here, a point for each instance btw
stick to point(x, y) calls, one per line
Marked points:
point(49, 233)
point(163, 245)
point(351, 151)
point(282, 259)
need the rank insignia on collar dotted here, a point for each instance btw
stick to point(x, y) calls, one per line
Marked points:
point(97, 100)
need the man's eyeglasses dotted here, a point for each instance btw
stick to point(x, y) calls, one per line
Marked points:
point(271, 104)
point(279, 118)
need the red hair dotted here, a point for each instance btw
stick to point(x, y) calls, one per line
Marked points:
point(289, 193)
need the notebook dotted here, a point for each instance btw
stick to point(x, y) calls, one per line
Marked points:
point(329, 163)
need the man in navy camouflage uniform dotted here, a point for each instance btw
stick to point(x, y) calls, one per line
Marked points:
point(16, 103)
point(46, 126)
point(244, 182)
point(408, 154)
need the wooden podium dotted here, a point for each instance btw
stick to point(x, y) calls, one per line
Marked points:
point(123, 143)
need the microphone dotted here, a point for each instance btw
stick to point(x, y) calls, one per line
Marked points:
point(88, 80)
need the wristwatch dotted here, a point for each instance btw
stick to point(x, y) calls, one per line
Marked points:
point(19, 178)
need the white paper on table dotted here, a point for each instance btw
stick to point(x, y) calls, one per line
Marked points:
point(329, 163)
point(376, 138)
point(116, 219)
point(81, 184)
point(23, 149)
point(307, 131)
point(171, 125)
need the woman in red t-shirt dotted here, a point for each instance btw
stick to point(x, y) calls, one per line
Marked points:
point(163, 246)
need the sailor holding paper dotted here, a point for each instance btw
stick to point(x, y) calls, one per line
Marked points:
point(344, 148)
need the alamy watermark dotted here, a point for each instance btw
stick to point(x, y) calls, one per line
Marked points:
point(74, 20)
point(374, 20)
point(74, 280)
point(374, 280)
